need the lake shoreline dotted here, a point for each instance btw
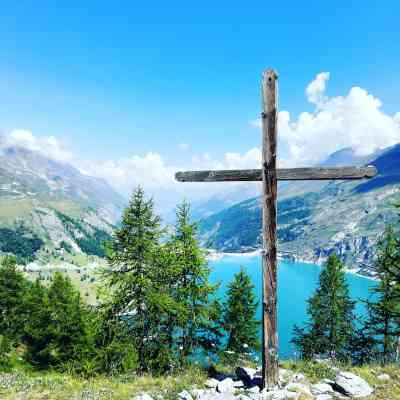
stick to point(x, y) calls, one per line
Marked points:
point(215, 255)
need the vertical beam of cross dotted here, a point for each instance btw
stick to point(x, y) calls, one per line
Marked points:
point(269, 91)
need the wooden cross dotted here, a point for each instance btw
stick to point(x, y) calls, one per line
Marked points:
point(269, 175)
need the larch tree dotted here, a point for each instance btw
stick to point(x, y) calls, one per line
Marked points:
point(240, 311)
point(331, 316)
point(384, 307)
point(139, 297)
point(198, 320)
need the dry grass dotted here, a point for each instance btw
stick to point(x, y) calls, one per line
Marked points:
point(52, 385)
point(46, 386)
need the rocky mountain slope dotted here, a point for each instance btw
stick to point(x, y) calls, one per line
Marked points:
point(49, 208)
point(315, 218)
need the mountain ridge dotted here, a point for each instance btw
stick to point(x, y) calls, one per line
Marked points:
point(316, 219)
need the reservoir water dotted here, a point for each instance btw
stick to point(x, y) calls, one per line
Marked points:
point(296, 283)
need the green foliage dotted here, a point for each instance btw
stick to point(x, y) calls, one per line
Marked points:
point(12, 292)
point(331, 313)
point(93, 243)
point(200, 313)
point(90, 239)
point(56, 332)
point(240, 315)
point(383, 323)
point(20, 242)
point(136, 280)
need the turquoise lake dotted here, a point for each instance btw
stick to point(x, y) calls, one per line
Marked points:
point(296, 283)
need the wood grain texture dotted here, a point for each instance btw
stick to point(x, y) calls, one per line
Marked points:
point(269, 116)
point(283, 174)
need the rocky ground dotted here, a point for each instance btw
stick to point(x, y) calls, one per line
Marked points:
point(301, 381)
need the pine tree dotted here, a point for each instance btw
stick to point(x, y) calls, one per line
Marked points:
point(56, 332)
point(140, 298)
point(384, 308)
point(200, 311)
point(331, 314)
point(240, 321)
point(13, 287)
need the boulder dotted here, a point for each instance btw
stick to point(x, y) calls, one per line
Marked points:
point(321, 388)
point(299, 388)
point(323, 397)
point(352, 385)
point(245, 374)
point(211, 383)
point(204, 394)
point(238, 384)
point(281, 395)
point(225, 386)
point(298, 377)
point(185, 395)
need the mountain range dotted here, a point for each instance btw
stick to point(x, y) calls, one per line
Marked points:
point(318, 217)
point(51, 209)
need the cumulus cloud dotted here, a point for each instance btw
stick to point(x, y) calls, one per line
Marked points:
point(316, 89)
point(48, 145)
point(355, 120)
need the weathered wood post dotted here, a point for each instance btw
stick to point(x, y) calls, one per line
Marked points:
point(269, 117)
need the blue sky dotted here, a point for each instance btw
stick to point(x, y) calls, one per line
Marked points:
point(114, 80)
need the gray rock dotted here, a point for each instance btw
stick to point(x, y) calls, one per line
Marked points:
point(323, 397)
point(298, 377)
point(238, 384)
point(243, 397)
point(352, 385)
point(280, 395)
point(222, 396)
point(225, 386)
point(253, 389)
point(383, 377)
point(245, 374)
point(211, 383)
point(185, 395)
point(143, 396)
point(299, 388)
point(204, 394)
point(321, 388)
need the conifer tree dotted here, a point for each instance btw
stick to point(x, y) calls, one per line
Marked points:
point(198, 320)
point(331, 314)
point(384, 308)
point(140, 298)
point(56, 332)
point(240, 315)
point(12, 293)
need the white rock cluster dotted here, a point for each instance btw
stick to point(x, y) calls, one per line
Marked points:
point(245, 385)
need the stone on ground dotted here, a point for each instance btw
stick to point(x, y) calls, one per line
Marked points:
point(321, 388)
point(245, 374)
point(299, 388)
point(143, 396)
point(352, 385)
point(185, 395)
point(383, 377)
point(211, 383)
point(323, 397)
point(225, 386)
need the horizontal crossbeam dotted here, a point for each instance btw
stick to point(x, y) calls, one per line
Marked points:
point(283, 174)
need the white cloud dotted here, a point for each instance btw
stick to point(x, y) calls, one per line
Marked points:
point(355, 120)
point(47, 145)
point(316, 89)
